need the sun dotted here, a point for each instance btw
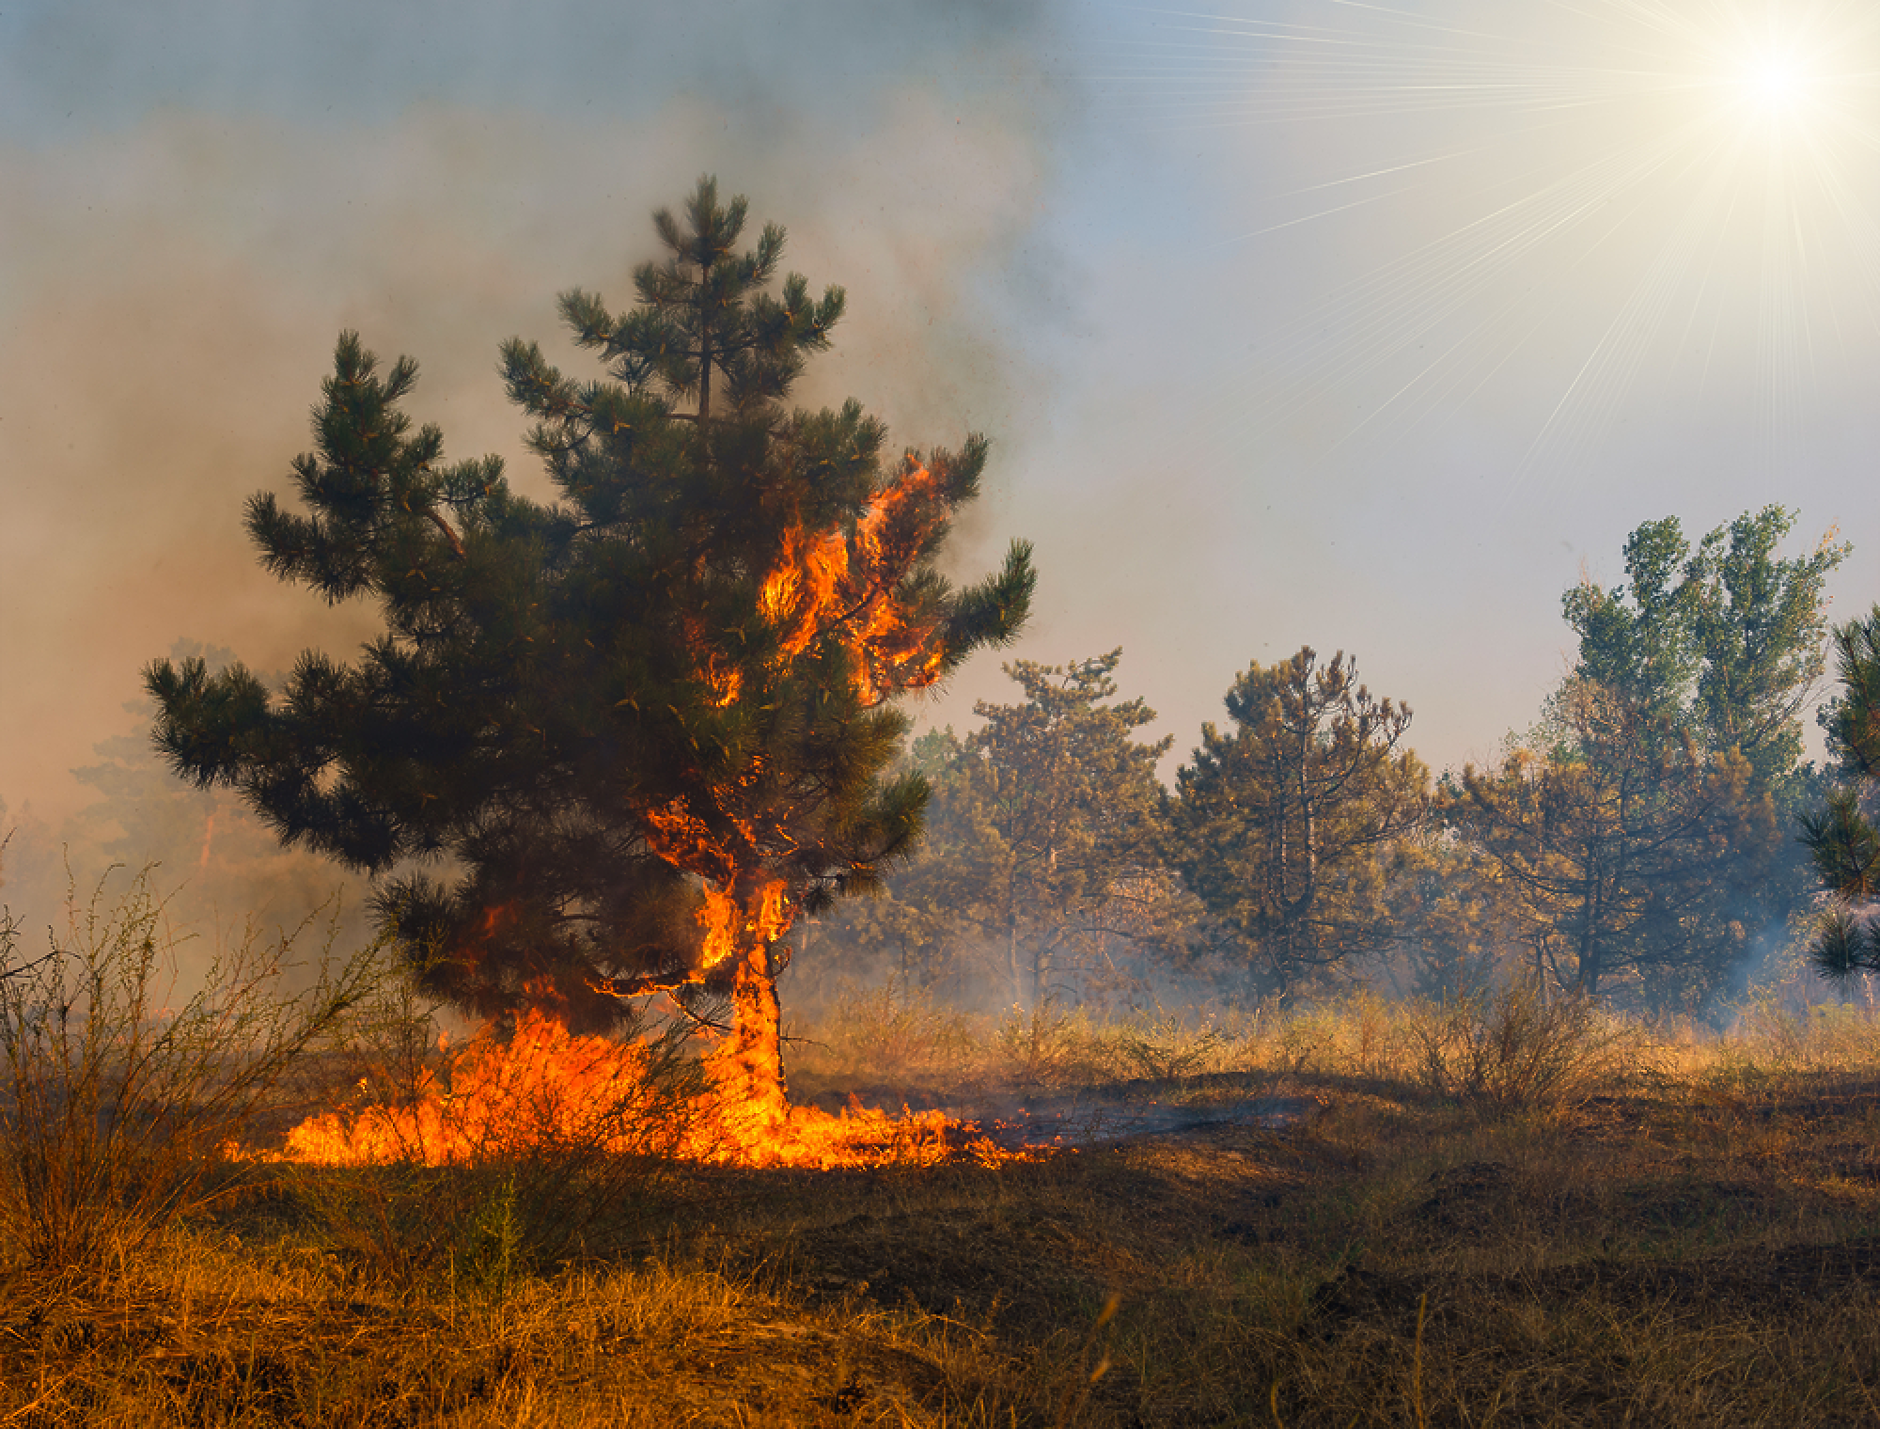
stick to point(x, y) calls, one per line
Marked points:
point(1776, 84)
point(1554, 214)
point(1773, 84)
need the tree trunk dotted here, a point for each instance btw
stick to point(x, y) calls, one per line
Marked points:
point(1011, 952)
point(746, 1068)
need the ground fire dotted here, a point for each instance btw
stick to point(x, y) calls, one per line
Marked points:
point(545, 1087)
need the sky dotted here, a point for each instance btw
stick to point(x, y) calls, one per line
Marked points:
point(1370, 327)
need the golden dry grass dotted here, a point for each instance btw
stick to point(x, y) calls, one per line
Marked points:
point(1686, 1239)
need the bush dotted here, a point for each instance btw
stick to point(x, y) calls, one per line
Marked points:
point(1358, 1034)
point(1047, 1046)
point(119, 1113)
point(1167, 1048)
point(1512, 1050)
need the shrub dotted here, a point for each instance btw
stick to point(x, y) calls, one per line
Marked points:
point(117, 1112)
point(1167, 1047)
point(1358, 1034)
point(1046, 1046)
point(1512, 1050)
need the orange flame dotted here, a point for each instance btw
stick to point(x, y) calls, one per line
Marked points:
point(546, 1087)
point(719, 918)
point(726, 683)
point(685, 841)
point(829, 585)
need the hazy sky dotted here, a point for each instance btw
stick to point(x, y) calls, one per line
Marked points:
point(1364, 326)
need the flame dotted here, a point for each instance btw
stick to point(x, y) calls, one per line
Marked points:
point(548, 1087)
point(719, 918)
point(544, 1086)
point(685, 841)
point(727, 683)
point(773, 918)
point(847, 588)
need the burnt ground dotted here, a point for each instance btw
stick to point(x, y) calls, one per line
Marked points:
point(1089, 1116)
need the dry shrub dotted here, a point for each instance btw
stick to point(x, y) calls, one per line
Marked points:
point(116, 1110)
point(1774, 1037)
point(1512, 1050)
point(1048, 1046)
point(1168, 1046)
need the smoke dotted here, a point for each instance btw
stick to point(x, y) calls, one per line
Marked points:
point(178, 268)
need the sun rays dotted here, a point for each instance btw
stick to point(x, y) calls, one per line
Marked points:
point(1558, 209)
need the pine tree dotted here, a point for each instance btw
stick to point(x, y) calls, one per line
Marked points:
point(1842, 837)
point(1627, 848)
point(631, 733)
point(1286, 827)
point(1040, 854)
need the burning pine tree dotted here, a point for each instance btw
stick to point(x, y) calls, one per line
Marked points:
point(642, 728)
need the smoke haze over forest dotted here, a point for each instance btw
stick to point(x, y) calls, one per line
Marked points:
point(1230, 403)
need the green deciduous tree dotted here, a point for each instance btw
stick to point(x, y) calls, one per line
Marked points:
point(1642, 822)
point(1723, 641)
point(1842, 837)
point(625, 735)
point(1288, 828)
point(1627, 849)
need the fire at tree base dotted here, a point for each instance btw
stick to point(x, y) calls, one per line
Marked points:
point(546, 1088)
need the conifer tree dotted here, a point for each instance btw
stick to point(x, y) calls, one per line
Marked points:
point(1285, 827)
point(1842, 837)
point(1040, 854)
point(1628, 848)
point(612, 744)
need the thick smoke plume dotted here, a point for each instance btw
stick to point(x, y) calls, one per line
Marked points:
point(176, 279)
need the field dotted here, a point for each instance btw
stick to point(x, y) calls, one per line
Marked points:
point(1499, 1213)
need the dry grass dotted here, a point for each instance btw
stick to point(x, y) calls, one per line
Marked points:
point(1679, 1233)
point(118, 1093)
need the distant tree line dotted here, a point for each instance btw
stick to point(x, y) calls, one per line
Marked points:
point(1646, 840)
